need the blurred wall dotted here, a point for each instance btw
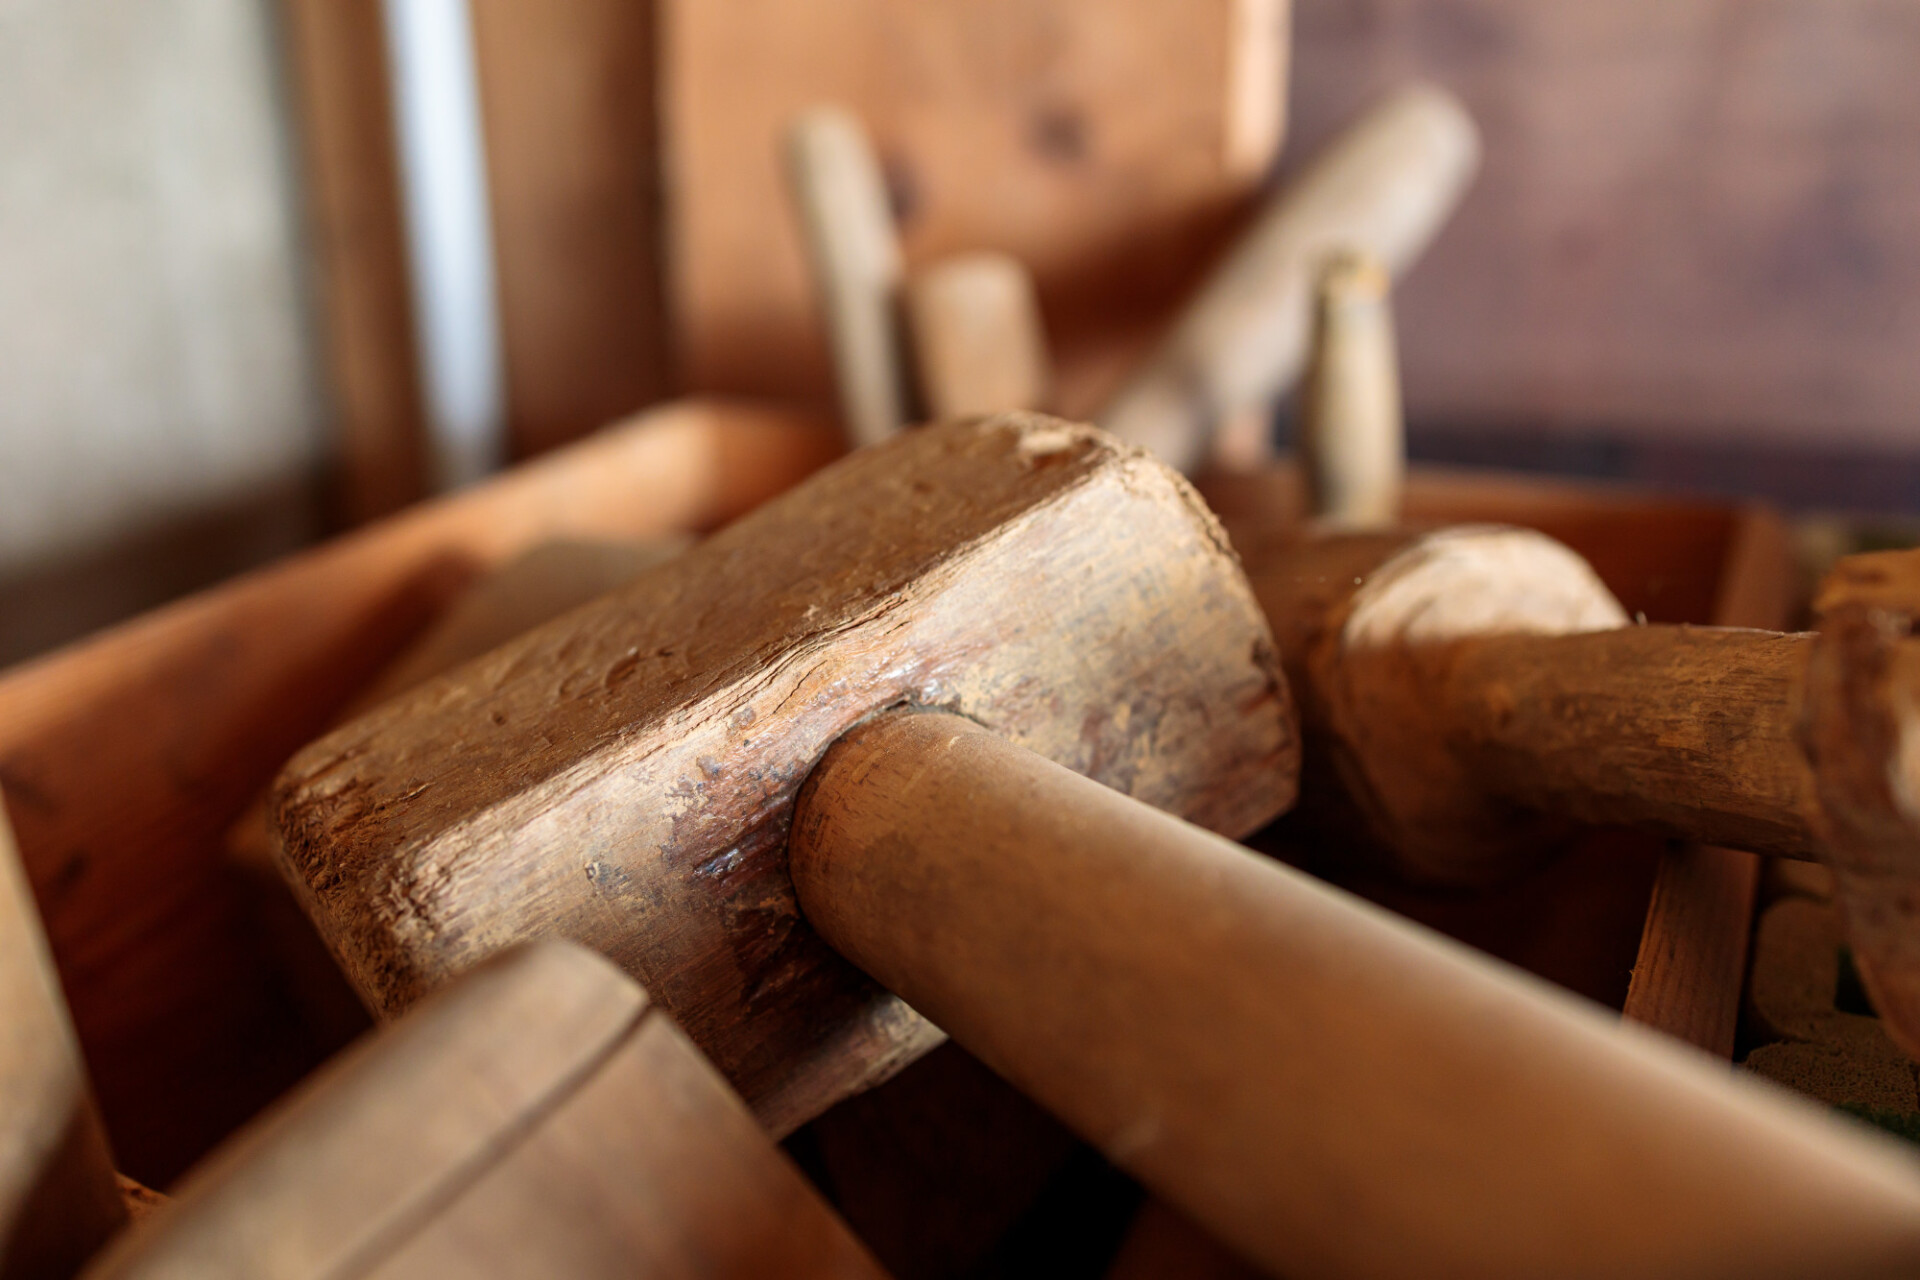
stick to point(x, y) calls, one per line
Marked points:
point(1696, 220)
point(159, 417)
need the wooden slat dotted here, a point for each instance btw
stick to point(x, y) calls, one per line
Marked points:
point(337, 54)
point(567, 90)
point(1693, 953)
point(126, 757)
point(1110, 144)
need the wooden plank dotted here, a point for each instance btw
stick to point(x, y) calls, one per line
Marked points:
point(337, 55)
point(126, 757)
point(1696, 217)
point(1693, 952)
point(1109, 144)
point(567, 91)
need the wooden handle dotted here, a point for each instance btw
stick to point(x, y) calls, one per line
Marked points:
point(1384, 186)
point(978, 343)
point(537, 1118)
point(1352, 441)
point(1686, 730)
point(1332, 1090)
point(58, 1196)
point(842, 199)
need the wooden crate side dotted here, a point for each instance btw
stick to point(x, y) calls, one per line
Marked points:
point(1109, 144)
point(125, 757)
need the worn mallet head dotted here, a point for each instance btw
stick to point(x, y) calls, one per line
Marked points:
point(1472, 691)
point(537, 1118)
point(625, 776)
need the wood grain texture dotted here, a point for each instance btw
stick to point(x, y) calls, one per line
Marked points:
point(1693, 952)
point(58, 1198)
point(568, 93)
point(1696, 218)
point(337, 53)
point(624, 777)
point(1108, 144)
point(1328, 1088)
point(537, 1119)
point(1383, 186)
point(518, 596)
point(126, 757)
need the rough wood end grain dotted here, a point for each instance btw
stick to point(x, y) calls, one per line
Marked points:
point(625, 777)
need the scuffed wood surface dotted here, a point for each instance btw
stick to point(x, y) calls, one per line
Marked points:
point(539, 1119)
point(58, 1198)
point(126, 757)
point(624, 777)
point(1329, 1088)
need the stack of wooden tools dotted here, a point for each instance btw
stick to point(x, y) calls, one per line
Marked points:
point(653, 853)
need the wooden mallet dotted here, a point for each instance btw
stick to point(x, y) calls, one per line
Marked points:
point(537, 1118)
point(1473, 690)
point(626, 777)
point(862, 701)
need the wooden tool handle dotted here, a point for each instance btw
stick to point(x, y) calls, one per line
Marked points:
point(58, 1196)
point(978, 343)
point(1352, 442)
point(848, 224)
point(1330, 1089)
point(1687, 730)
point(1383, 186)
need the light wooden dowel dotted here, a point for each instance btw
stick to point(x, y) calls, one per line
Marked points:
point(842, 199)
point(58, 1196)
point(1383, 186)
point(1330, 1089)
point(978, 343)
point(1352, 441)
point(1685, 730)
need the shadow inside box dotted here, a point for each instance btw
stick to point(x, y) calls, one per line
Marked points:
point(1575, 917)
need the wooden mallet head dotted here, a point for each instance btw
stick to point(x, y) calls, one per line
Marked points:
point(1471, 691)
point(625, 776)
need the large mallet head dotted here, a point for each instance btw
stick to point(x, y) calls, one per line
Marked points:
point(625, 776)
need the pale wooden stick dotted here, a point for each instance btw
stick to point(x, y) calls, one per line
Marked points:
point(842, 199)
point(1383, 186)
point(58, 1197)
point(1331, 1090)
point(1352, 440)
point(538, 1118)
point(978, 342)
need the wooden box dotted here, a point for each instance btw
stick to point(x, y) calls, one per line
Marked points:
point(124, 758)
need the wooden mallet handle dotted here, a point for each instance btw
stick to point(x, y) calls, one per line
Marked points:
point(841, 196)
point(1332, 1090)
